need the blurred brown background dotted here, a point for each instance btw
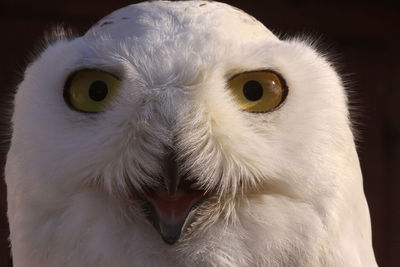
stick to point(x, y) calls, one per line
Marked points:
point(362, 36)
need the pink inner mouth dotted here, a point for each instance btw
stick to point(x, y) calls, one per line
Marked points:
point(172, 209)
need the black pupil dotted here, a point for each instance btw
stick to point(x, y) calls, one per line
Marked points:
point(253, 90)
point(98, 90)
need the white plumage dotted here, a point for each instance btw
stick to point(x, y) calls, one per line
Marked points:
point(174, 146)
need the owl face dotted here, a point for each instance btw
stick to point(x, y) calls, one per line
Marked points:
point(178, 115)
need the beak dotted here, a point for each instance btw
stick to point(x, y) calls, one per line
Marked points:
point(171, 179)
point(170, 215)
point(172, 208)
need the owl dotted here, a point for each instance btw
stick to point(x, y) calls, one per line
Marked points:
point(184, 134)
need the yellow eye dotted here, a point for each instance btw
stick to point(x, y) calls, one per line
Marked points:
point(258, 91)
point(90, 90)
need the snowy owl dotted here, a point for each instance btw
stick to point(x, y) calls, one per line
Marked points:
point(184, 134)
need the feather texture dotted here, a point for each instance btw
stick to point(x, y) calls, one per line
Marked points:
point(285, 186)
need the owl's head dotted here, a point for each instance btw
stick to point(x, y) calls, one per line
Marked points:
point(182, 115)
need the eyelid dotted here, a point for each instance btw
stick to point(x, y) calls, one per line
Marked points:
point(73, 73)
point(258, 70)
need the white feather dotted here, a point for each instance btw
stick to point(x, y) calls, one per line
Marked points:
point(289, 181)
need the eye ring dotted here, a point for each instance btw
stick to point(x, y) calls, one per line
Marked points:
point(238, 82)
point(95, 90)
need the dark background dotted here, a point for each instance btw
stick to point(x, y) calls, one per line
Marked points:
point(362, 36)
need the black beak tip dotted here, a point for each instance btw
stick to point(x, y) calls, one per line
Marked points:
point(170, 233)
point(170, 241)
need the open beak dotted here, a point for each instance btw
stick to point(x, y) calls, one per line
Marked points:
point(172, 207)
point(170, 213)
